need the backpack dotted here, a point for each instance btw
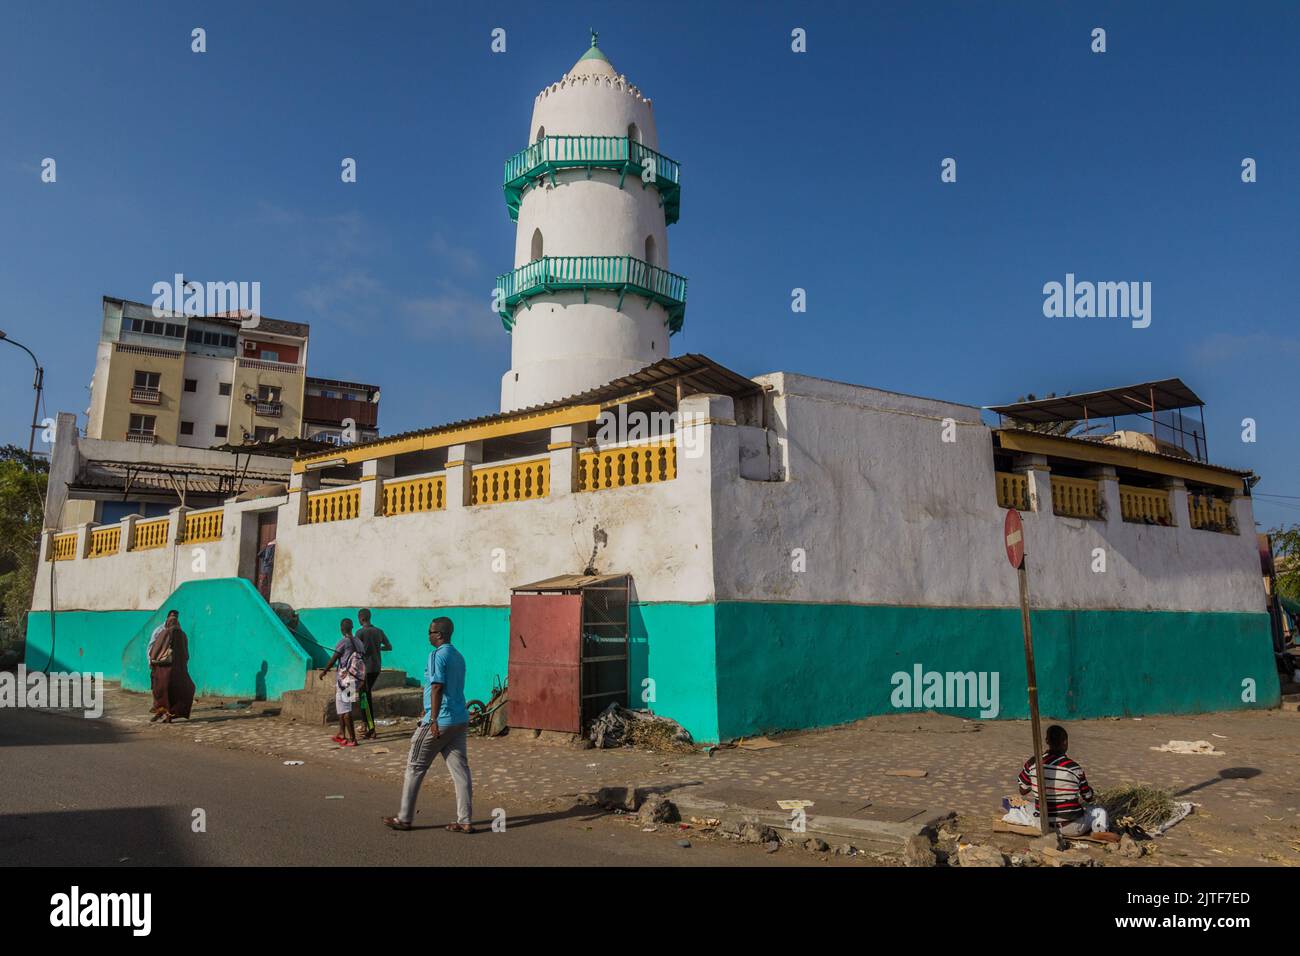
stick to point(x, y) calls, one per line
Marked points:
point(353, 665)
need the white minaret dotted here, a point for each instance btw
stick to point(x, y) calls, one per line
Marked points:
point(591, 297)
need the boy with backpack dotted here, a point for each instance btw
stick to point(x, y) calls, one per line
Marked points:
point(350, 655)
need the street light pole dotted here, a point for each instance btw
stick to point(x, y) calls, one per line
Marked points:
point(38, 383)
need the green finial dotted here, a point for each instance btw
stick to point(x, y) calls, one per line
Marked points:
point(593, 53)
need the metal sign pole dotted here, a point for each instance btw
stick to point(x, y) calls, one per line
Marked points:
point(1023, 574)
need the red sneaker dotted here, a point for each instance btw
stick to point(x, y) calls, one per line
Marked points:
point(348, 743)
point(338, 740)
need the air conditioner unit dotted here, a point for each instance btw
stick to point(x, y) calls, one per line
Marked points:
point(250, 346)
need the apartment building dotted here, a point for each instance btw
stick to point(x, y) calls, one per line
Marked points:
point(205, 381)
point(340, 412)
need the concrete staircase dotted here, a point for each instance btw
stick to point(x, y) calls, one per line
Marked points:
point(314, 704)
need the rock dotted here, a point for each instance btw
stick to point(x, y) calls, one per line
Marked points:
point(1067, 857)
point(818, 845)
point(917, 851)
point(843, 849)
point(755, 832)
point(730, 828)
point(973, 854)
point(618, 798)
point(684, 844)
point(658, 809)
point(581, 743)
point(1129, 847)
point(772, 846)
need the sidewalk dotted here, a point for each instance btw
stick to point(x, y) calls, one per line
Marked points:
point(1248, 800)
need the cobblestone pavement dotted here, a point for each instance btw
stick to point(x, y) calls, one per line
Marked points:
point(1247, 800)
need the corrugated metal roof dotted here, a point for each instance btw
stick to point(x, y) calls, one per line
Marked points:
point(698, 373)
point(1165, 395)
point(569, 582)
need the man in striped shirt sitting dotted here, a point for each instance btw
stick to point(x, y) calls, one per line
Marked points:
point(1068, 791)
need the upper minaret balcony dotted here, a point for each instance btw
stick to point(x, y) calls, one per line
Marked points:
point(623, 154)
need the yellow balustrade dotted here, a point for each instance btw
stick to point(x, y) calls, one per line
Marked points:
point(517, 481)
point(1210, 514)
point(1144, 505)
point(64, 547)
point(633, 465)
point(105, 541)
point(204, 526)
point(1075, 497)
point(338, 505)
point(150, 534)
point(412, 495)
point(1013, 490)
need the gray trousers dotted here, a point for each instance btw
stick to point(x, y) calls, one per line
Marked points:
point(425, 747)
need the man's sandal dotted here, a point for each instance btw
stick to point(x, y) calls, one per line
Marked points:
point(460, 827)
point(395, 824)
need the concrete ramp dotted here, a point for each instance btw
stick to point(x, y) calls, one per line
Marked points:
point(238, 646)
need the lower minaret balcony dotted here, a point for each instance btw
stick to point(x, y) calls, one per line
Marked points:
point(621, 274)
point(552, 153)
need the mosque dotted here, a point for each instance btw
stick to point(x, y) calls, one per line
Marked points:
point(773, 560)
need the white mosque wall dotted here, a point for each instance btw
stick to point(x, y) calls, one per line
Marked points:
point(886, 512)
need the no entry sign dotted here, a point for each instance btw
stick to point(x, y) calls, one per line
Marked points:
point(1014, 532)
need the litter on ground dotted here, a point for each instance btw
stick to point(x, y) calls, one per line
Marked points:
point(1190, 747)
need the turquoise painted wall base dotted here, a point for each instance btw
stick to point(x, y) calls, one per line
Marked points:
point(735, 668)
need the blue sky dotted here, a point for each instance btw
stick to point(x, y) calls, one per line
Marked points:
point(816, 170)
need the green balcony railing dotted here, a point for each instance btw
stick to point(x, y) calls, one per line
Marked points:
point(605, 152)
point(621, 274)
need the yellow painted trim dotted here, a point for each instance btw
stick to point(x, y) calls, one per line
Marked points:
point(455, 464)
point(368, 477)
point(443, 438)
point(561, 445)
point(1035, 444)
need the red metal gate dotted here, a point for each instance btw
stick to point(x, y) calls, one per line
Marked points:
point(545, 651)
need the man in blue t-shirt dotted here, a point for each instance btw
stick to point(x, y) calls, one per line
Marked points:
point(442, 730)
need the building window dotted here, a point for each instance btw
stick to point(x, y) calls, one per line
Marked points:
point(633, 132)
point(223, 388)
point(142, 424)
point(537, 245)
point(187, 428)
point(265, 434)
point(191, 385)
point(268, 393)
point(541, 134)
point(148, 380)
point(220, 431)
point(651, 251)
point(268, 356)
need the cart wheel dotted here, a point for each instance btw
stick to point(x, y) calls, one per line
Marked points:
point(477, 714)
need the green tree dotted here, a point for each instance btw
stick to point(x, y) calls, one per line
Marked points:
point(1286, 559)
point(22, 506)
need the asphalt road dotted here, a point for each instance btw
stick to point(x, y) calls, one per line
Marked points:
point(82, 792)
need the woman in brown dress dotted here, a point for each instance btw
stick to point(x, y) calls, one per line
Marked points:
point(169, 674)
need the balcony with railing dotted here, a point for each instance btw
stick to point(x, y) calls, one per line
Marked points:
point(510, 481)
point(1013, 490)
point(201, 526)
point(105, 541)
point(621, 274)
point(143, 395)
point(416, 494)
point(148, 438)
point(627, 466)
point(268, 409)
point(1208, 513)
point(333, 411)
point(339, 504)
point(1076, 497)
point(1145, 505)
point(619, 153)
